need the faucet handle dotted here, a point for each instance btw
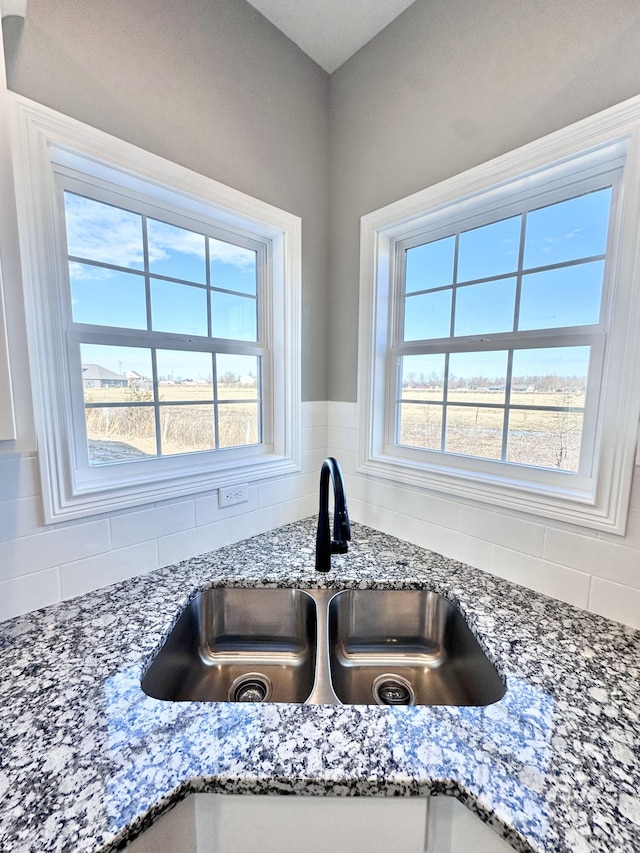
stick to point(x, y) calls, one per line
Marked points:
point(341, 526)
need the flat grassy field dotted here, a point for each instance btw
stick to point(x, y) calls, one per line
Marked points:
point(549, 439)
point(128, 430)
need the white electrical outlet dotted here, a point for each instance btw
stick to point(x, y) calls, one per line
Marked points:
point(233, 495)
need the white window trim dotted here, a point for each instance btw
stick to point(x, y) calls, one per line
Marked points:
point(9, 262)
point(602, 503)
point(42, 139)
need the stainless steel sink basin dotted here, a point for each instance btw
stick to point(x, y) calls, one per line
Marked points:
point(242, 645)
point(406, 647)
point(355, 647)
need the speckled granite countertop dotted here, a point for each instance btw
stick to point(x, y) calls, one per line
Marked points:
point(87, 760)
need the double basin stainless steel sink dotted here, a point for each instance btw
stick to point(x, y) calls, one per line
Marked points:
point(353, 647)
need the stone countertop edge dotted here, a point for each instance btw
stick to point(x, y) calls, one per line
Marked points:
point(88, 761)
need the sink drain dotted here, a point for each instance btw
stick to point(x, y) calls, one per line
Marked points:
point(251, 687)
point(389, 689)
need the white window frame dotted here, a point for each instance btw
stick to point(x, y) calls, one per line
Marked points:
point(51, 148)
point(597, 498)
point(9, 261)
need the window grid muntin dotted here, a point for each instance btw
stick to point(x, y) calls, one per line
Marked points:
point(90, 333)
point(257, 247)
point(545, 338)
point(215, 403)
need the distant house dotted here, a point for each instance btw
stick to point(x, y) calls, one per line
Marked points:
point(95, 376)
point(133, 376)
point(138, 381)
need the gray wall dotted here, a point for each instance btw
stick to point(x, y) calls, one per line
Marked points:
point(212, 85)
point(209, 84)
point(449, 85)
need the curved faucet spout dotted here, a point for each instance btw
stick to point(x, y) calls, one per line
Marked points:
point(325, 545)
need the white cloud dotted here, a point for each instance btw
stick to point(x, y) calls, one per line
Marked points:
point(165, 239)
point(103, 232)
point(227, 253)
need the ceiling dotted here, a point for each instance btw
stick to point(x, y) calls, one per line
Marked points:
point(330, 31)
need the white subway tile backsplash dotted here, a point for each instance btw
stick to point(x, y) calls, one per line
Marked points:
point(38, 564)
point(300, 508)
point(425, 508)
point(286, 489)
point(314, 438)
point(151, 523)
point(315, 410)
point(442, 513)
point(45, 550)
point(22, 517)
point(346, 459)
point(340, 439)
point(615, 601)
point(540, 575)
point(506, 530)
point(259, 521)
point(190, 543)
point(597, 557)
point(19, 477)
point(443, 540)
point(313, 459)
point(104, 569)
point(208, 510)
point(458, 546)
point(378, 492)
point(22, 594)
point(343, 415)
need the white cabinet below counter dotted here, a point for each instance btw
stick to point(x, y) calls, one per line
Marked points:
point(219, 823)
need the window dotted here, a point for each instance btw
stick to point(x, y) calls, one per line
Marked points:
point(166, 325)
point(164, 322)
point(496, 334)
point(499, 330)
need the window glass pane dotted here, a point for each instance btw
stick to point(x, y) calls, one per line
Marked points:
point(120, 434)
point(120, 375)
point(176, 252)
point(113, 374)
point(427, 316)
point(557, 376)
point(232, 267)
point(238, 377)
point(430, 265)
point(420, 425)
point(545, 439)
point(233, 317)
point(569, 296)
point(238, 424)
point(102, 232)
point(178, 308)
point(572, 229)
point(489, 250)
point(474, 431)
point(184, 376)
point(477, 376)
point(485, 308)
point(422, 377)
point(186, 429)
point(106, 297)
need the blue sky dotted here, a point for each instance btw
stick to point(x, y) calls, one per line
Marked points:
point(104, 234)
point(563, 361)
point(568, 231)
point(171, 363)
